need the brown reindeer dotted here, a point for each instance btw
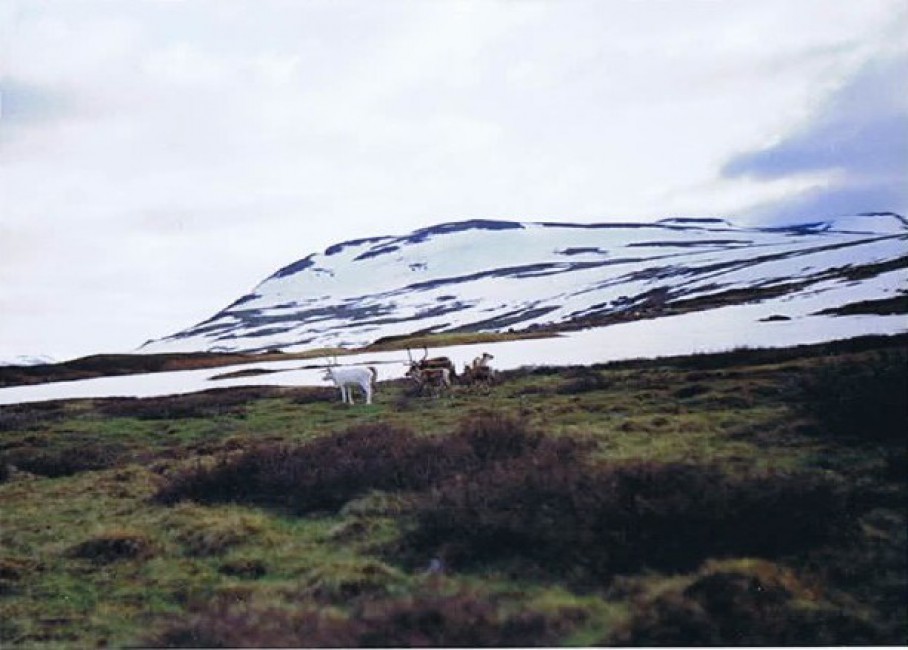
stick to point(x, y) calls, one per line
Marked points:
point(435, 374)
point(479, 372)
point(435, 362)
point(432, 379)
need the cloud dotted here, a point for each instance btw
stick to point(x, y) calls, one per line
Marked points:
point(22, 103)
point(858, 138)
point(160, 158)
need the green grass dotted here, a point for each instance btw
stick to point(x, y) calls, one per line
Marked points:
point(87, 557)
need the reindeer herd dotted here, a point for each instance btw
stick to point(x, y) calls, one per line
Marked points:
point(431, 375)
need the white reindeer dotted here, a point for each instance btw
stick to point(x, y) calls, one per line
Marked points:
point(352, 376)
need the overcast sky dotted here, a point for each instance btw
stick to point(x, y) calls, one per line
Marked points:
point(160, 158)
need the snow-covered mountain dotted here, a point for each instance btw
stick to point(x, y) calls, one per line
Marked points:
point(26, 360)
point(484, 275)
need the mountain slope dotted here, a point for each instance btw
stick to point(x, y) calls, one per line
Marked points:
point(496, 275)
point(26, 360)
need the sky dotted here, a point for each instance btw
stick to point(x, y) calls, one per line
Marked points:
point(160, 158)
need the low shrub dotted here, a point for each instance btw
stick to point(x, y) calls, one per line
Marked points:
point(345, 580)
point(12, 571)
point(588, 522)
point(209, 403)
point(29, 416)
point(204, 534)
point(460, 619)
point(495, 490)
point(583, 380)
point(249, 568)
point(691, 390)
point(863, 399)
point(223, 625)
point(489, 437)
point(312, 394)
point(327, 472)
point(741, 603)
point(322, 474)
point(112, 546)
point(69, 458)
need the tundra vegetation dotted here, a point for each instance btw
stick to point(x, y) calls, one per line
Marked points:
point(751, 498)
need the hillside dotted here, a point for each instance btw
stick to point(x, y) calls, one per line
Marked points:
point(754, 498)
point(487, 276)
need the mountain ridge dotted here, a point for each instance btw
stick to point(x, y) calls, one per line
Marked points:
point(495, 275)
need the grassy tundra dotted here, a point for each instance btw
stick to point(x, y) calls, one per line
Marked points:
point(750, 498)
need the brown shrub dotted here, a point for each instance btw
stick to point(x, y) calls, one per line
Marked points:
point(741, 603)
point(458, 620)
point(341, 582)
point(70, 457)
point(462, 619)
point(205, 404)
point(249, 568)
point(501, 491)
point(488, 437)
point(862, 399)
point(583, 379)
point(214, 533)
point(322, 474)
point(495, 490)
point(593, 521)
point(312, 394)
point(690, 390)
point(224, 626)
point(12, 571)
point(112, 546)
point(325, 473)
point(30, 416)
